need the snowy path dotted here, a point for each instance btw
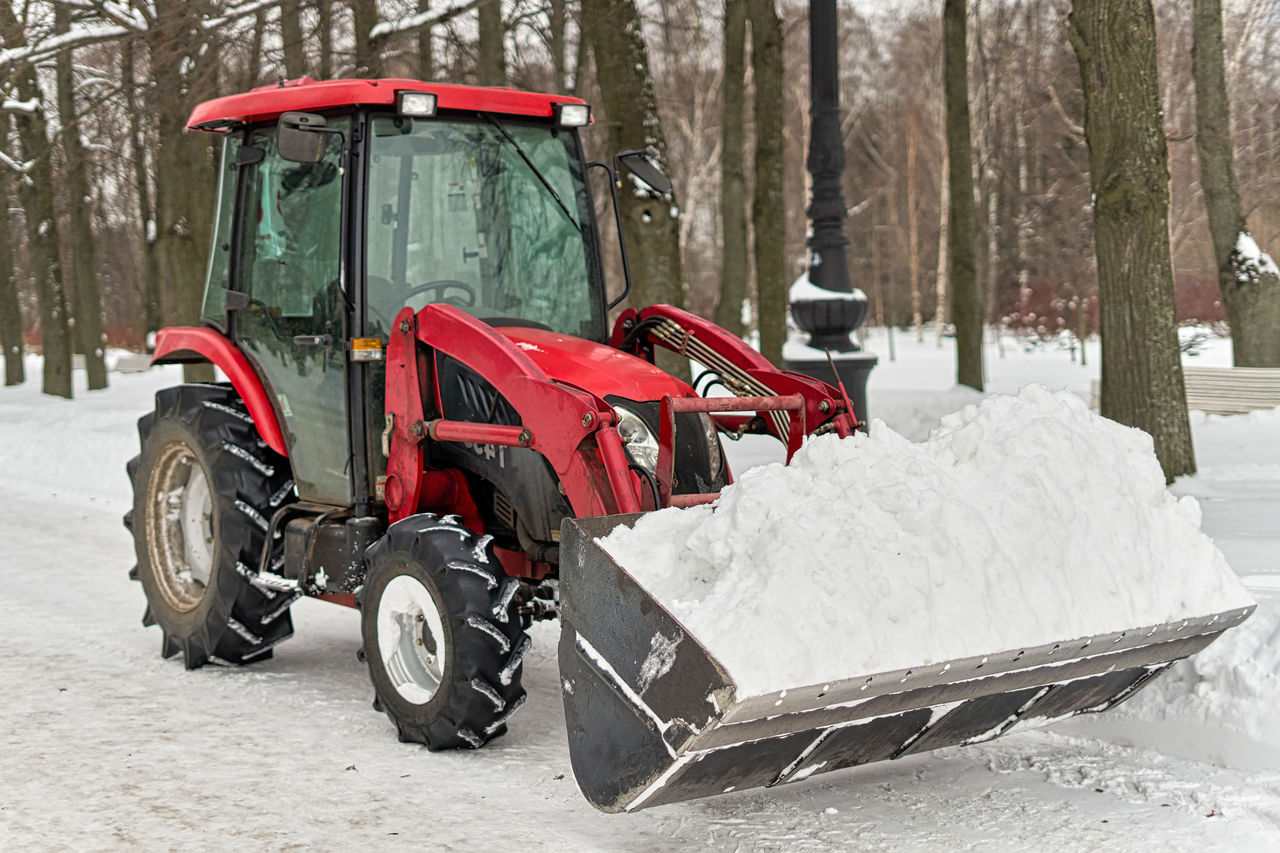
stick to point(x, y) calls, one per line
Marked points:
point(104, 745)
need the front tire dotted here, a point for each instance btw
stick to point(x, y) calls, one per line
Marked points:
point(205, 487)
point(441, 634)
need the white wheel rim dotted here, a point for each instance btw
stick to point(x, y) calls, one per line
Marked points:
point(411, 639)
point(197, 525)
point(179, 522)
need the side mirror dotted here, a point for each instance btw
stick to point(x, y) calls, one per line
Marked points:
point(300, 137)
point(640, 164)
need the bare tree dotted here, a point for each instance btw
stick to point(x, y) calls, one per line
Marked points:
point(941, 276)
point(557, 17)
point(153, 299)
point(253, 69)
point(491, 48)
point(364, 14)
point(426, 60)
point(966, 295)
point(913, 229)
point(86, 294)
point(1142, 385)
point(183, 61)
point(1248, 278)
point(324, 35)
point(650, 222)
point(41, 222)
point(733, 193)
point(295, 57)
point(769, 207)
point(10, 310)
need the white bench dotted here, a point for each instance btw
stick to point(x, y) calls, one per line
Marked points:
point(1232, 390)
point(1224, 390)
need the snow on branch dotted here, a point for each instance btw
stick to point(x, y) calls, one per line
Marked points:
point(10, 163)
point(236, 12)
point(125, 14)
point(81, 35)
point(419, 20)
point(30, 105)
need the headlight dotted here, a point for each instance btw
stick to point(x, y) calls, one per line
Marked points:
point(638, 440)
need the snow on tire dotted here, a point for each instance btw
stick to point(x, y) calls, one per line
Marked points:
point(201, 484)
point(440, 635)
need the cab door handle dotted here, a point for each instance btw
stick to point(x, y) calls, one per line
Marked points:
point(312, 340)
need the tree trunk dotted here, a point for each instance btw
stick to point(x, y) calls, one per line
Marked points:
point(86, 291)
point(1142, 385)
point(1250, 283)
point(966, 295)
point(769, 206)
point(295, 57)
point(1023, 215)
point(426, 62)
point(36, 200)
point(940, 279)
point(253, 71)
point(733, 193)
point(364, 15)
point(324, 26)
point(650, 222)
point(491, 51)
point(580, 56)
point(10, 311)
point(556, 18)
point(913, 230)
point(153, 297)
point(181, 59)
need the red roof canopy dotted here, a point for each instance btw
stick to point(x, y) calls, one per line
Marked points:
point(268, 102)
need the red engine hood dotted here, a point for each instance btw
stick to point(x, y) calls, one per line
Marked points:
point(599, 369)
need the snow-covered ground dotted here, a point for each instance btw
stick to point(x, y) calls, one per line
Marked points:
point(104, 745)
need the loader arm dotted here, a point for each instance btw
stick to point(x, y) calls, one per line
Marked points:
point(575, 430)
point(744, 370)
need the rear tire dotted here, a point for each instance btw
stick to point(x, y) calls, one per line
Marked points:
point(205, 487)
point(441, 634)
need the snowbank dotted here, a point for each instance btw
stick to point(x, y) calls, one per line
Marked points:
point(1022, 521)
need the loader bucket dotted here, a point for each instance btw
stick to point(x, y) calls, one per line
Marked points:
point(653, 718)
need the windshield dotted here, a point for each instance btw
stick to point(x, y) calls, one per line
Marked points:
point(493, 218)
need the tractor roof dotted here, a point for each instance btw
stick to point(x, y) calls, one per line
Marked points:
point(304, 94)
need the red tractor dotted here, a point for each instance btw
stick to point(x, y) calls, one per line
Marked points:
point(405, 291)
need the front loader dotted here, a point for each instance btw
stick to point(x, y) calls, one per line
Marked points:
point(427, 416)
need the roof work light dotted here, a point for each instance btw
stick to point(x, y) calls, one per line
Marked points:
point(416, 104)
point(571, 115)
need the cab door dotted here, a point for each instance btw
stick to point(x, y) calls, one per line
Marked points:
point(289, 265)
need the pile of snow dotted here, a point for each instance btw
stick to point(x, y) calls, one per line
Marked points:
point(1022, 521)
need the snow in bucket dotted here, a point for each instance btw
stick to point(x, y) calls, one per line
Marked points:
point(1022, 521)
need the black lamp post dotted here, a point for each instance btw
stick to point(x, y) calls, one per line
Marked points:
point(824, 303)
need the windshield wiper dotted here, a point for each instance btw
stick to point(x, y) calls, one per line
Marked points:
point(536, 171)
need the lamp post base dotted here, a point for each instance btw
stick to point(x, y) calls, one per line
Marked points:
point(854, 369)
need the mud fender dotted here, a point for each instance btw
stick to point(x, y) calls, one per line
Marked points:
point(178, 344)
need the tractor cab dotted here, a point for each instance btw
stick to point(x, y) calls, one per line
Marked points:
point(341, 203)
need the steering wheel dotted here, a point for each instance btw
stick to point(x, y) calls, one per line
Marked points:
point(468, 300)
point(383, 287)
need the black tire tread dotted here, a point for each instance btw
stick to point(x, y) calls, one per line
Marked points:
point(239, 622)
point(471, 581)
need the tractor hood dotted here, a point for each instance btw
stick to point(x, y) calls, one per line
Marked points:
point(596, 368)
